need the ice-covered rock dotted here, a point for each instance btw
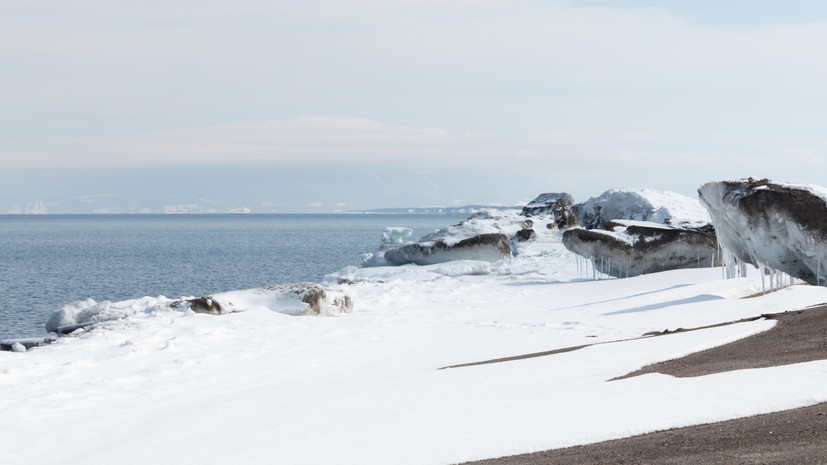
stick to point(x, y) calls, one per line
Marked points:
point(81, 314)
point(291, 299)
point(631, 248)
point(486, 247)
point(507, 222)
point(556, 204)
point(641, 205)
point(773, 225)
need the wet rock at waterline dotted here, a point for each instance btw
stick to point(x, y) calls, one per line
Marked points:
point(631, 248)
point(771, 225)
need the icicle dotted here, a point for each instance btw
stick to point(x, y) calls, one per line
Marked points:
point(762, 270)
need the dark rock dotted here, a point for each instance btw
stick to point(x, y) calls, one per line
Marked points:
point(524, 235)
point(557, 204)
point(487, 247)
point(771, 225)
point(625, 249)
point(203, 305)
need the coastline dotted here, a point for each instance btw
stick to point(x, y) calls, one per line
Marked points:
point(789, 436)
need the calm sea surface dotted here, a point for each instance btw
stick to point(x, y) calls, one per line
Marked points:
point(49, 261)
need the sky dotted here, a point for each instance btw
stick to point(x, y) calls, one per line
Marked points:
point(327, 106)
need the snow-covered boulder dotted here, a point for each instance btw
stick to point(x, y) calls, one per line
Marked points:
point(556, 204)
point(486, 247)
point(631, 248)
point(291, 299)
point(641, 205)
point(772, 225)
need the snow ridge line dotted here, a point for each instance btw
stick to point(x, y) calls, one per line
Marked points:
point(665, 332)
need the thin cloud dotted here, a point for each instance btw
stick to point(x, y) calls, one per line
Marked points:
point(298, 140)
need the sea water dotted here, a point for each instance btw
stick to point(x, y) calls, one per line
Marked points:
point(49, 261)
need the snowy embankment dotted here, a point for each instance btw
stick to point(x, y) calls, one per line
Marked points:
point(260, 386)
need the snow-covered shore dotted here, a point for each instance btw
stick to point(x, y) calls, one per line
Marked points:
point(258, 386)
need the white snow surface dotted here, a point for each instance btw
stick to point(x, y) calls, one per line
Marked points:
point(262, 387)
point(645, 205)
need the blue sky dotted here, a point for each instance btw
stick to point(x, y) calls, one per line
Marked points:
point(324, 106)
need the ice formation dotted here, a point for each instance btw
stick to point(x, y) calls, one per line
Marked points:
point(632, 248)
point(774, 226)
point(641, 205)
point(395, 235)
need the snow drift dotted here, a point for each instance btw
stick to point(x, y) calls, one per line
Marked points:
point(289, 299)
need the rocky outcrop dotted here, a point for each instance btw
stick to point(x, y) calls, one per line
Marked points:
point(557, 204)
point(629, 248)
point(641, 205)
point(773, 225)
point(486, 247)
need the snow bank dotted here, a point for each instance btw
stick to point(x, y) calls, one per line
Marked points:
point(643, 205)
point(352, 274)
point(88, 312)
point(288, 299)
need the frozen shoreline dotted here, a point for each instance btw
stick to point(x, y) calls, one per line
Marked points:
point(364, 387)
